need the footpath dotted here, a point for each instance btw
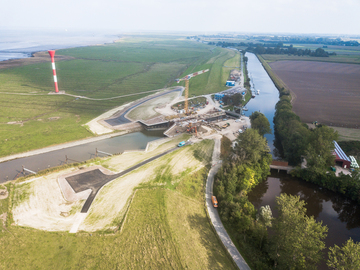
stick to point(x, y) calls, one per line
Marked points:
point(213, 213)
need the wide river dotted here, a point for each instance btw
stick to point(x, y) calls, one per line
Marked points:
point(340, 215)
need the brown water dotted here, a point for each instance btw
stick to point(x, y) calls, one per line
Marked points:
point(339, 214)
point(9, 170)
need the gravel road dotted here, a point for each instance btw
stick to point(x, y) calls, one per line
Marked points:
point(214, 215)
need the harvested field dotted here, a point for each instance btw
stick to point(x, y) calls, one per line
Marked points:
point(325, 92)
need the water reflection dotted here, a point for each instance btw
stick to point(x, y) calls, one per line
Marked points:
point(269, 95)
point(341, 215)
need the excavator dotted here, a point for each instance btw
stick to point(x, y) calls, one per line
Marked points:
point(191, 128)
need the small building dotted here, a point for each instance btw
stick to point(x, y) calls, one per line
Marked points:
point(230, 83)
point(341, 158)
point(219, 96)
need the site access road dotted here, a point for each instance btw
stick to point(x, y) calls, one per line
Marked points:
point(213, 213)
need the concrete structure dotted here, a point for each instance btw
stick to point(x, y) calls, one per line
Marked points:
point(341, 158)
point(281, 166)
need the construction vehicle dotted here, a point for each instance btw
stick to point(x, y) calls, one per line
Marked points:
point(186, 79)
point(214, 201)
point(191, 128)
point(226, 125)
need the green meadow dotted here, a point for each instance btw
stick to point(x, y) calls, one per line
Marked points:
point(30, 118)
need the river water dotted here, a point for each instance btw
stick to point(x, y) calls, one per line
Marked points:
point(132, 141)
point(339, 214)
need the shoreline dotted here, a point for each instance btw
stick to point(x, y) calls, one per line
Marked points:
point(41, 56)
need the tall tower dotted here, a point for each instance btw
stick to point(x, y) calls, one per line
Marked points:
point(52, 55)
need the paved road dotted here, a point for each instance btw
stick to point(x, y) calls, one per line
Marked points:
point(214, 215)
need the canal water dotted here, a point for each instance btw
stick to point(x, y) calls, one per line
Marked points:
point(339, 214)
point(269, 95)
point(132, 141)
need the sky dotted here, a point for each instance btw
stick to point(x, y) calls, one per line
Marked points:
point(202, 16)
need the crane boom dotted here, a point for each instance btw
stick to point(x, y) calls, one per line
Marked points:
point(186, 79)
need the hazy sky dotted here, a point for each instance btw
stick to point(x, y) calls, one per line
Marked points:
point(291, 16)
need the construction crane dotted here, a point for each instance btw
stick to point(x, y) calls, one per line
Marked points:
point(186, 79)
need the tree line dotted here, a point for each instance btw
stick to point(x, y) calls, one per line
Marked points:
point(296, 142)
point(290, 241)
point(289, 50)
point(272, 48)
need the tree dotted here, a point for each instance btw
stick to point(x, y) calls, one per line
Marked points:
point(250, 147)
point(260, 123)
point(265, 215)
point(319, 154)
point(345, 258)
point(297, 241)
point(264, 218)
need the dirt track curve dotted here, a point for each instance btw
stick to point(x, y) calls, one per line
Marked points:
point(214, 215)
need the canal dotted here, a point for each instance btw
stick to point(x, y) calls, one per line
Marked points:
point(339, 214)
point(268, 94)
point(11, 169)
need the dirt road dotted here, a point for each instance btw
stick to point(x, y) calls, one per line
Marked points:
point(213, 213)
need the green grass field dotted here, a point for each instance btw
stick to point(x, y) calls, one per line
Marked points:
point(230, 64)
point(214, 80)
point(166, 228)
point(31, 119)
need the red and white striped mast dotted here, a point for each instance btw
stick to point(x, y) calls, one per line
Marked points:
point(52, 55)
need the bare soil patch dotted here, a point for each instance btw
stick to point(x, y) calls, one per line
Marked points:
point(40, 204)
point(325, 92)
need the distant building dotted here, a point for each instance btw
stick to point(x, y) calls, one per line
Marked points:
point(341, 158)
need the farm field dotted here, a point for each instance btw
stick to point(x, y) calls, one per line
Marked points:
point(325, 92)
point(30, 118)
point(166, 224)
point(342, 57)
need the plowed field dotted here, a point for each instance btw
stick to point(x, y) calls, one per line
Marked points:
point(325, 92)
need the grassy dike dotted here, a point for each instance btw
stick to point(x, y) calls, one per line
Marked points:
point(166, 227)
point(30, 118)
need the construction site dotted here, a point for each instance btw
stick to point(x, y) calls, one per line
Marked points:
point(174, 112)
point(171, 111)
